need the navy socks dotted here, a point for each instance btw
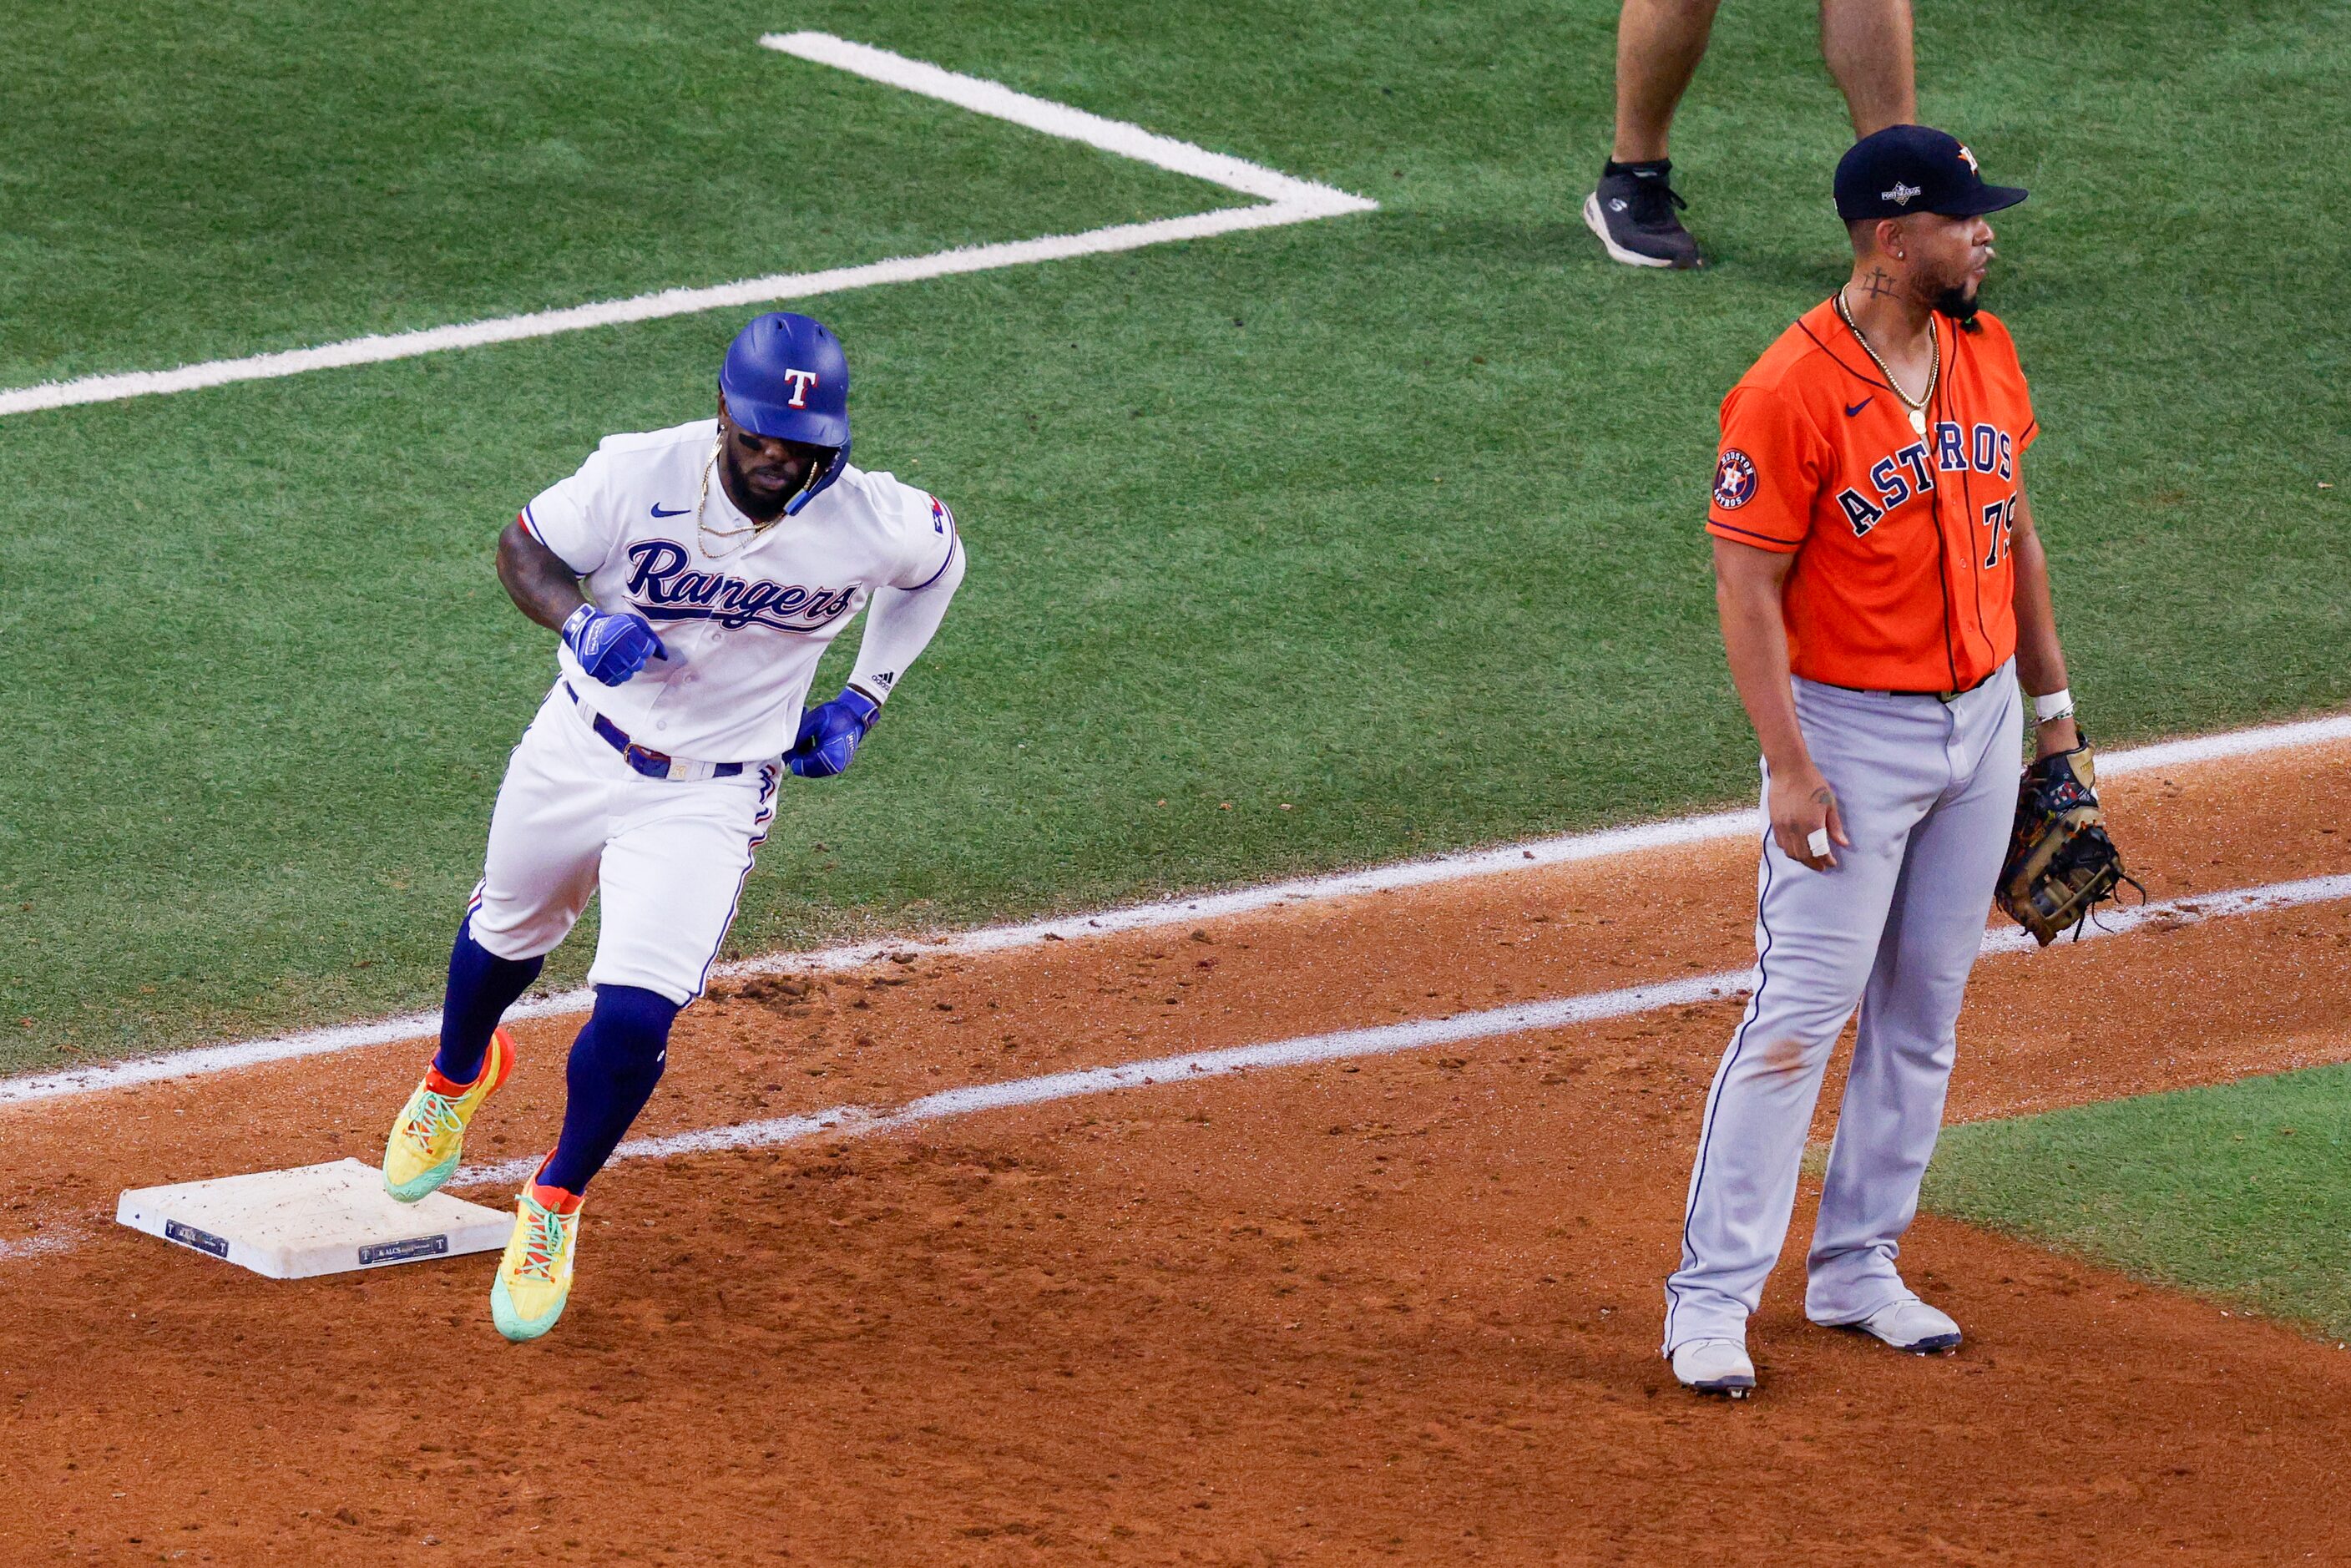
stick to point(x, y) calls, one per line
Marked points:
point(614, 1064)
point(482, 986)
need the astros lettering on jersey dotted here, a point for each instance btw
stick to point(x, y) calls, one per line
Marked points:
point(1902, 580)
point(744, 614)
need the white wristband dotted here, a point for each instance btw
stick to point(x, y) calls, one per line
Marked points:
point(2057, 705)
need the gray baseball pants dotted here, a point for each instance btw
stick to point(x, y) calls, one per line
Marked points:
point(1927, 791)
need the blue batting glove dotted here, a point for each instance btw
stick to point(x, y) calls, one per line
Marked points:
point(829, 733)
point(611, 648)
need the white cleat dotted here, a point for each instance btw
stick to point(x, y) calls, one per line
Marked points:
point(1715, 1366)
point(1914, 1326)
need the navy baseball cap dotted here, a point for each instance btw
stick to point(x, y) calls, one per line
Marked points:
point(1914, 169)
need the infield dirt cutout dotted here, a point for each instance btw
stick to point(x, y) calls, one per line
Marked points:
point(1405, 1307)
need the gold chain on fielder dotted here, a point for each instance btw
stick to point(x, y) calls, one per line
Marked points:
point(1934, 364)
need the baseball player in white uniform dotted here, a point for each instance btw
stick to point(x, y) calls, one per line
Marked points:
point(695, 574)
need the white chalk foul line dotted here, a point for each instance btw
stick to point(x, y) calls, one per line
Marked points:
point(57, 1239)
point(849, 1120)
point(1283, 200)
point(1460, 1029)
point(1530, 855)
point(1000, 102)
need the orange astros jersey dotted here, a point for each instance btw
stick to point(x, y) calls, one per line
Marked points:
point(1902, 580)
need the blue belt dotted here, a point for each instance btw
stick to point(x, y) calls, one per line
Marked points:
point(644, 759)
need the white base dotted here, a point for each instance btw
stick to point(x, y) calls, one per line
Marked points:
point(315, 1219)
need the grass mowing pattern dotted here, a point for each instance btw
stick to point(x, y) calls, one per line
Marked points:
point(1392, 520)
point(2235, 1191)
point(210, 180)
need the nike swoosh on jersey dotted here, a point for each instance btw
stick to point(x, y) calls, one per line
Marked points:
point(683, 510)
point(1848, 413)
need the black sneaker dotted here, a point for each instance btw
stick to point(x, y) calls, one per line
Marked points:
point(1633, 214)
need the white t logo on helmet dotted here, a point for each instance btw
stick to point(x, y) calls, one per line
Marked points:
point(801, 380)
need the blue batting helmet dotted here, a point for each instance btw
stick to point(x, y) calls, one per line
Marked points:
point(785, 378)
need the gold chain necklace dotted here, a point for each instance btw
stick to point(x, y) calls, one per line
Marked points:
point(1934, 365)
point(703, 531)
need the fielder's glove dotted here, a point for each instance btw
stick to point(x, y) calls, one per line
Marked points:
point(611, 648)
point(829, 733)
point(2061, 863)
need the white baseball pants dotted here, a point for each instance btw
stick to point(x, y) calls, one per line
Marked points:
point(670, 856)
point(1928, 793)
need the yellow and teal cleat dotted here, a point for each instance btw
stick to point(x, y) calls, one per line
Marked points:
point(535, 1275)
point(429, 1134)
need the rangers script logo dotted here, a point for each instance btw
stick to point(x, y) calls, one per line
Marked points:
point(1734, 480)
point(662, 590)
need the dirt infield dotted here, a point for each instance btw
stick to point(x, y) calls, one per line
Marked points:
point(1400, 1308)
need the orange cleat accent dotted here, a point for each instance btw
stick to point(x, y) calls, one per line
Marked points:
point(429, 1134)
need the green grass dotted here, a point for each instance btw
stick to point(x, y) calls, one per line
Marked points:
point(2235, 1192)
point(1392, 519)
point(192, 182)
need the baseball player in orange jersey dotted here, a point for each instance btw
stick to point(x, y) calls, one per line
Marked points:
point(1882, 594)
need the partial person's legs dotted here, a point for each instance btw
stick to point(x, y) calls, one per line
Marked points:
point(670, 879)
point(1902, 1053)
point(1815, 932)
point(545, 835)
point(1866, 43)
point(615, 1064)
point(1658, 46)
point(1816, 936)
point(1631, 210)
point(481, 988)
point(669, 876)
